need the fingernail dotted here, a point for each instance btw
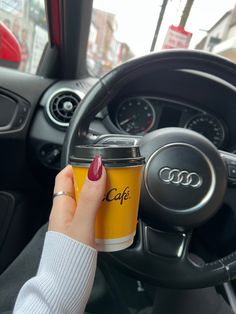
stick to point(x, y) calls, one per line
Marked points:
point(95, 169)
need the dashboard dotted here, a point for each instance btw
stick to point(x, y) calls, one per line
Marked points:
point(138, 115)
point(177, 99)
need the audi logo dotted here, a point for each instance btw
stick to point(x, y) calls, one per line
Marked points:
point(180, 177)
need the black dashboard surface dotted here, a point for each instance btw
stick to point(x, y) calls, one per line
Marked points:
point(189, 99)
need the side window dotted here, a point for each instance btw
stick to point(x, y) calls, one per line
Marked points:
point(23, 34)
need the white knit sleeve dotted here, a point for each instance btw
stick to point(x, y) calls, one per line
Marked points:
point(64, 279)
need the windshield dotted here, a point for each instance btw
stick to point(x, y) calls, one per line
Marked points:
point(123, 29)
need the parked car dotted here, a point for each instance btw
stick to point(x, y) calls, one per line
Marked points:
point(10, 55)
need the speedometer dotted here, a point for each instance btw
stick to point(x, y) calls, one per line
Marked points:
point(135, 116)
point(208, 126)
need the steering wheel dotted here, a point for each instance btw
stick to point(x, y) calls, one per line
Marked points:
point(184, 180)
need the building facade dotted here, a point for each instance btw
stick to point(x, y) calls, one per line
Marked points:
point(104, 50)
point(221, 38)
point(27, 21)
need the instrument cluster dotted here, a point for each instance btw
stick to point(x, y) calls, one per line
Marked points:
point(141, 114)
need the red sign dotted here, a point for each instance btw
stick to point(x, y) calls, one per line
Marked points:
point(177, 37)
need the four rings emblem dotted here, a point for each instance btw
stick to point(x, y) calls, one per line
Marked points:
point(180, 177)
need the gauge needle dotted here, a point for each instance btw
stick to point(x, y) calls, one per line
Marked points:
point(125, 121)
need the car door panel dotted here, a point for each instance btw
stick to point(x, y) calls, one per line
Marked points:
point(20, 192)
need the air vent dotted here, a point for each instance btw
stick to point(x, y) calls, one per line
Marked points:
point(61, 106)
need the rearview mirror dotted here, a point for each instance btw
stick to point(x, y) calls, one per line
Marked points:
point(10, 51)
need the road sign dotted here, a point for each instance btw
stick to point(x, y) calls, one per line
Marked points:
point(177, 37)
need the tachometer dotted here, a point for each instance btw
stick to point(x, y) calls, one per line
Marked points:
point(208, 126)
point(135, 116)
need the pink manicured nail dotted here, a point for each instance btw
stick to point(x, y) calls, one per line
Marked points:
point(95, 169)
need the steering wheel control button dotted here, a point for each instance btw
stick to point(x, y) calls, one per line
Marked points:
point(230, 162)
point(116, 219)
point(182, 171)
point(164, 243)
point(232, 171)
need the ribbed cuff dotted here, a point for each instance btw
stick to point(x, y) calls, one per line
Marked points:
point(64, 279)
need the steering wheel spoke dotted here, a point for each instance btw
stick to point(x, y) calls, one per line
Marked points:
point(169, 251)
point(173, 245)
point(164, 243)
point(153, 250)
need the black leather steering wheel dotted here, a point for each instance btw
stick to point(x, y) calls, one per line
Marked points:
point(185, 176)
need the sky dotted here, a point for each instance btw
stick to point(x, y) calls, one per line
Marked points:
point(137, 19)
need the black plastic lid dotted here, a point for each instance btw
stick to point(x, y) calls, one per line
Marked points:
point(112, 155)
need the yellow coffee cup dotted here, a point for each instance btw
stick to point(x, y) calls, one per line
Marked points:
point(117, 216)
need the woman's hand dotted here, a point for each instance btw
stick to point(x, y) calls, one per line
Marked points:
point(78, 222)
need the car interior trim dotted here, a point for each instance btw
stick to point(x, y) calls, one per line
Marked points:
point(79, 93)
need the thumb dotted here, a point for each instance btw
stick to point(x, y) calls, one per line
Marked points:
point(90, 198)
